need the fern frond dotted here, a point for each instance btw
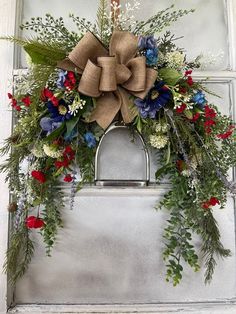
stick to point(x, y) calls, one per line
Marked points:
point(102, 18)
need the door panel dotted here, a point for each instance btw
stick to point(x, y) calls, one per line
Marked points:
point(110, 252)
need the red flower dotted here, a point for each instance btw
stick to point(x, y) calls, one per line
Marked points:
point(196, 116)
point(47, 93)
point(63, 163)
point(214, 201)
point(181, 108)
point(70, 81)
point(33, 222)
point(190, 80)
point(69, 153)
point(27, 101)
point(9, 95)
point(227, 134)
point(18, 108)
point(209, 112)
point(54, 100)
point(205, 205)
point(68, 178)
point(39, 176)
point(182, 90)
point(188, 72)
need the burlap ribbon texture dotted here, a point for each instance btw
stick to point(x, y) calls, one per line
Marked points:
point(110, 76)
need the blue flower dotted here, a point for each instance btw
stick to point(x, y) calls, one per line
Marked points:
point(199, 99)
point(61, 79)
point(151, 56)
point(59, 113)
point(49, 125)
point(90, 139)
point(156, 99)
point(73, 134)
point(147, 42)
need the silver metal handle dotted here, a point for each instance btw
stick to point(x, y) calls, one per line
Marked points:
point(113, 126)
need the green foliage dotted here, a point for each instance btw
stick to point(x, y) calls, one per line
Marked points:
point(51, 30)
point(102, 20)
point(46, 54)
point(159, 21)
point(170, 76)
point(19, 254)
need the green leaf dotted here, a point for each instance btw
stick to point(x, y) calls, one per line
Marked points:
point(163, 170)
point(55, 134)
point(170, 76)
point(188, 114)
point(71, 124)
point(44, 53)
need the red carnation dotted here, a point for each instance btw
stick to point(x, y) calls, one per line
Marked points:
point(70, 81)
point(54, 100)
point(9, 95)
point(27, 101)
point(182, 90)
point(69, 152)
point(214, 201)
point(181, 108)
point(33, 222)
point(63, 163)
point(39, 176)
point(209, 112)
point(196, 116)
point(68, 178)
point(190, 80)
point(188, 72)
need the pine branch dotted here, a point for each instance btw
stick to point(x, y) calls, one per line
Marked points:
point(212, 246)
point(19, 254)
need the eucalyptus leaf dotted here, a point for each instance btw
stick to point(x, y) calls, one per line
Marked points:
point(170, 76)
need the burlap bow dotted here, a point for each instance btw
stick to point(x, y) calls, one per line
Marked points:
point(110, 76)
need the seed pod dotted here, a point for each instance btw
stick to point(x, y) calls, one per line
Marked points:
point(12, 207)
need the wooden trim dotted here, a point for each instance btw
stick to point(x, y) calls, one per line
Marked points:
point(231, 24)
point(194, 308)
point(7, 27)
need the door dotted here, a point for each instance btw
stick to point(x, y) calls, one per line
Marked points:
point(108, 256)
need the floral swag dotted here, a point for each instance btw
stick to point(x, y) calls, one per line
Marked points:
point(77, 84)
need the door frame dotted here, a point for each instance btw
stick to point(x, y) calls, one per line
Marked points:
point(10, 17)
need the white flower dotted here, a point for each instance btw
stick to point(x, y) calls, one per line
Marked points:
point(76, 106)
point(52, 151)
point(158, 141)
point(37, 150)
point(175, 59)
point(161, 127)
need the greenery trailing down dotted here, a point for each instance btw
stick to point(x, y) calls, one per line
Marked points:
point(19, 254)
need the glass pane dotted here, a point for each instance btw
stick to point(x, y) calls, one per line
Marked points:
point(204, 31)
point(110, 251)
point(121, 157)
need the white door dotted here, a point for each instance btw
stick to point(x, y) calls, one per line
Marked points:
point(108, 257)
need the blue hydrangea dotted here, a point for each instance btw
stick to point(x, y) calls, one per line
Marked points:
point(199, 99)
point(151, 56)
point(90, 139)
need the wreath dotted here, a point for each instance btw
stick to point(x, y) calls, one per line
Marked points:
point(75, 87)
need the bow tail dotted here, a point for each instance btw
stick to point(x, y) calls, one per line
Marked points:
point(107, 106)
point(128, 110)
